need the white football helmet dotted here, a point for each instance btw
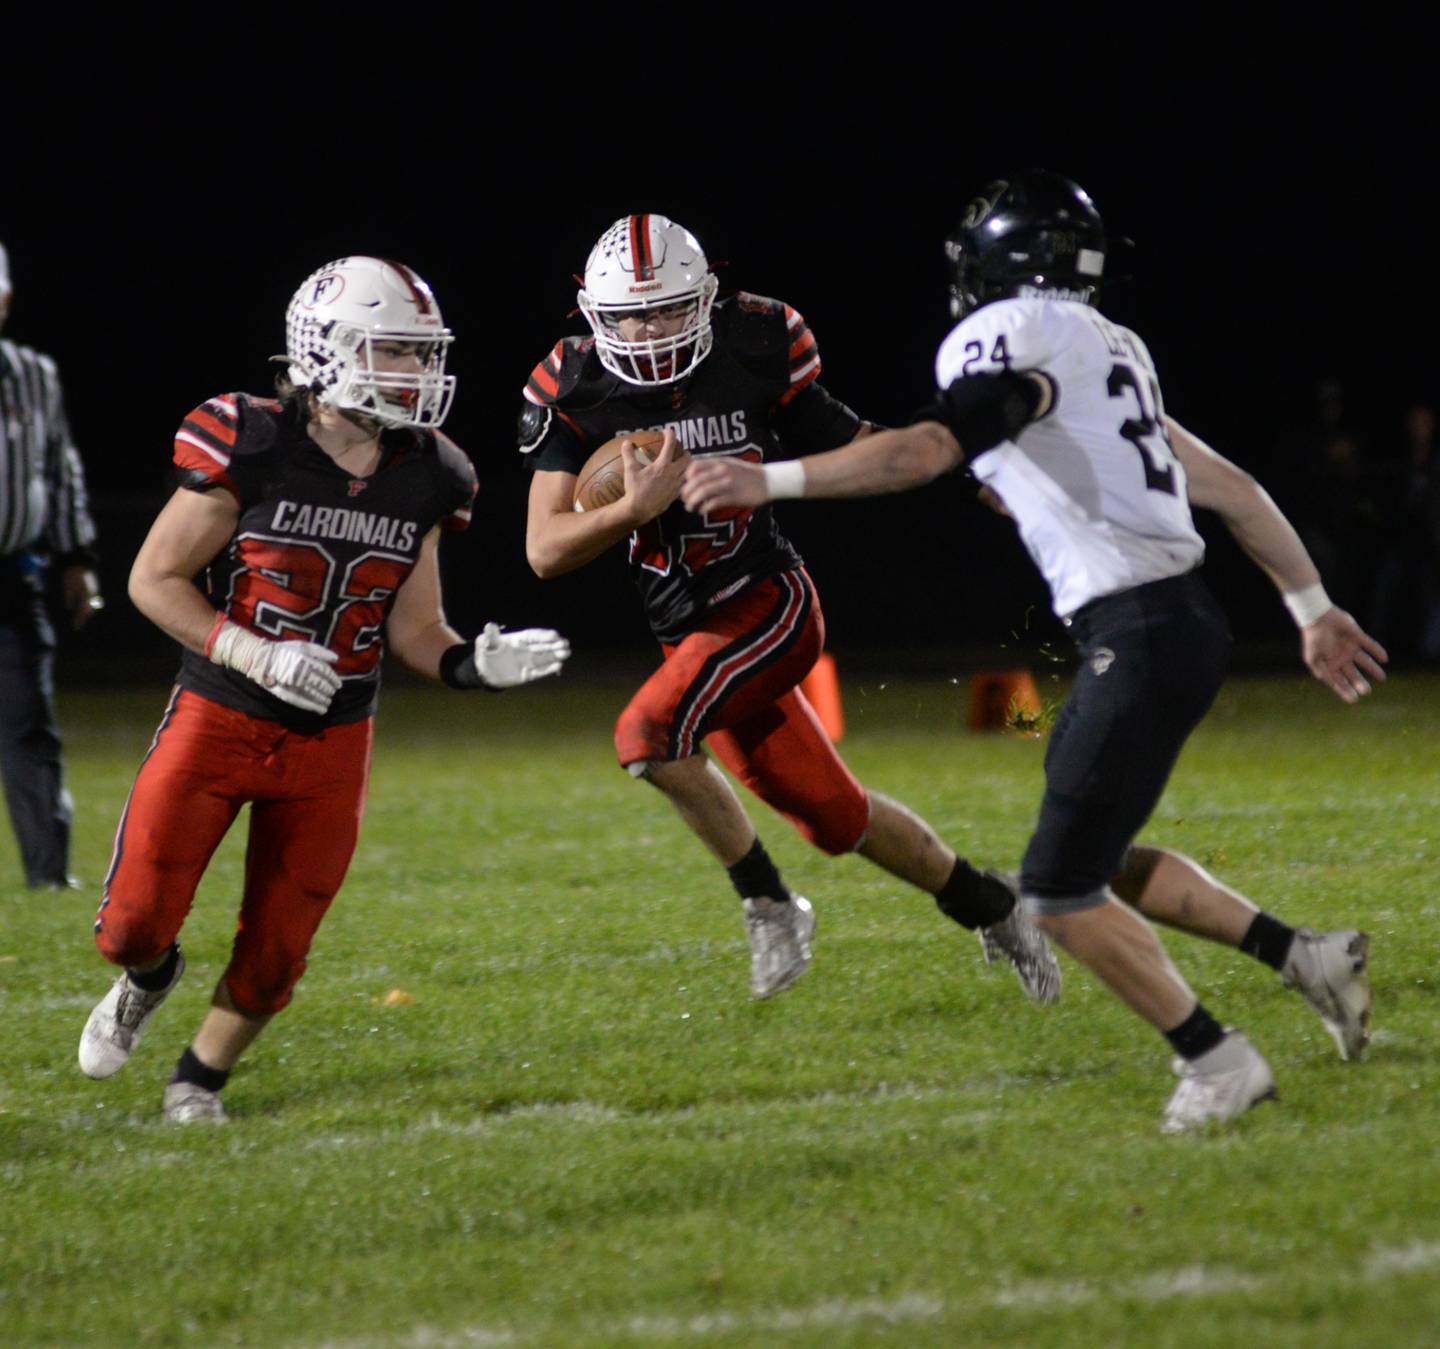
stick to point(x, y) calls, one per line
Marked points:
point(336, 317)
point(642, 263)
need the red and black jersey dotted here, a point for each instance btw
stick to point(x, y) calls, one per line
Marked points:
point(317, 554)
point(755, 395)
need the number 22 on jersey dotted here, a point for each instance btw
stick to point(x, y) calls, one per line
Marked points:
point(287, 589)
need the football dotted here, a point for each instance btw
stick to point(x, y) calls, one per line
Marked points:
point(602, 479)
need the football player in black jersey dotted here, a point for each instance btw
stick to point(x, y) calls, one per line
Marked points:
point(726, 593)
point(316, 520)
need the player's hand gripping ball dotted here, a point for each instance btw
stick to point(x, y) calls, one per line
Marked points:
point(602, 479)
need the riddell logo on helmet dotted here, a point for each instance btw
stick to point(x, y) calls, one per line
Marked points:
point(1083, 294)
point(649, 285)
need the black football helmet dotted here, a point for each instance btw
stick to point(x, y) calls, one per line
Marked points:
point(1033, 234)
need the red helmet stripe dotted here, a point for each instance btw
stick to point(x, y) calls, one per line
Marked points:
point(422, 300)
point(643, 262)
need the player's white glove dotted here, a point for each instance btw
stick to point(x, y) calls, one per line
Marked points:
point(297, 673)
point(501, 660)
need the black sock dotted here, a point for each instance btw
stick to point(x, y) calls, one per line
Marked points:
point(190, 1069)
point(1268, 939)
point(152, 981)
point(974, 899)
point(1198, 1034)
point(755, 875)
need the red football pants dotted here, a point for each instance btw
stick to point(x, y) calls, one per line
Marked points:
point(733, 683)
point(306, 795)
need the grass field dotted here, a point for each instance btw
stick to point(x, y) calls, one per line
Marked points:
point(577, 1130)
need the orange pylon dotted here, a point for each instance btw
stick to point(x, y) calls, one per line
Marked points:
point(997, 695)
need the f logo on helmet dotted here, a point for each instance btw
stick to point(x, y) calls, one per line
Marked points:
point(324, 290)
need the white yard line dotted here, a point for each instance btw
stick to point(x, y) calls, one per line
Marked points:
point(1190, 1281)
point(595, 1113)
point(1402, 1259)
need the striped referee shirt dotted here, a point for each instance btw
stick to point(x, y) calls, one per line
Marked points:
point(43, 507)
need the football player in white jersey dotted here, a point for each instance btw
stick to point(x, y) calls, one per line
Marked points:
point(1058, 413)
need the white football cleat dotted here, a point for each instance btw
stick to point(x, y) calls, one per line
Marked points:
point(190, 1103)
point(118, 1021)
point(779, 932)
point(1329, 969)
point(1219, 1085)
point(1016, 939)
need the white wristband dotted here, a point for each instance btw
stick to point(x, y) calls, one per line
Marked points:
point(1307, 605)
point(786, 479)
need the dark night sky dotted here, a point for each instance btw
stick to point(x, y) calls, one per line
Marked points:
point(1277, 190)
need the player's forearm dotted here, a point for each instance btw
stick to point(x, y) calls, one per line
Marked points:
point(887, 461)
point(562, 543)
point(1249, 512)
point(421, 648)
point(175, 605)
point(1270, 540)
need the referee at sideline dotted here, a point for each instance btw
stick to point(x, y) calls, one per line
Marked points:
point(44, 522)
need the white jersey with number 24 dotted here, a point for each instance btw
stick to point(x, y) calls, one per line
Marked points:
point(1094, 487)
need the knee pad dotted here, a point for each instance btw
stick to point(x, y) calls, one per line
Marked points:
point(1056, 906)
point(128, 943)
point(263, 992)
point(639, 737)
point(837, 827)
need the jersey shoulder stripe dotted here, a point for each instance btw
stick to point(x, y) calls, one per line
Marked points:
point(215, 433)
point(771, 338)
point(205, 442)
point(544, 383)
point(217, 430)
point(804, 353)
point(560, 372)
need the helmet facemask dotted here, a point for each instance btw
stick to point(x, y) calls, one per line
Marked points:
point(643, 265)
point(419, 398)
point(336, 322)
point(658, 360)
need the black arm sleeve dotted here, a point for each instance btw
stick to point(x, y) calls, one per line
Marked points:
point(814, 420)
point(982, 410)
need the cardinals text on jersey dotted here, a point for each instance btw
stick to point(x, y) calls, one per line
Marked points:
point(1096, 492)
